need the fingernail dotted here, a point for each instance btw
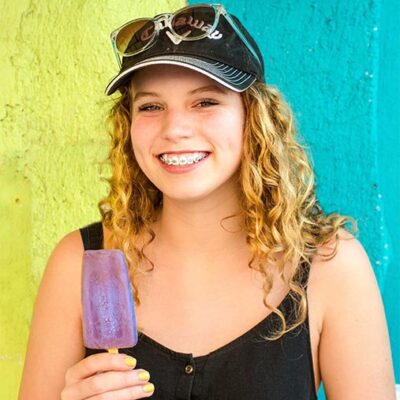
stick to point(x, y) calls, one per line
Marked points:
point(144, 376)
point(148, 387)
point(130, 361)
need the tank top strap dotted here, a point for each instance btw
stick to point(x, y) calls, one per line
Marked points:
point(92, 236)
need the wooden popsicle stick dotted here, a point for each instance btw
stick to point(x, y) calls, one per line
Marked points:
point(113, 350)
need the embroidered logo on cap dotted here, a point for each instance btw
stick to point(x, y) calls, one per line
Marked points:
point(182, 21)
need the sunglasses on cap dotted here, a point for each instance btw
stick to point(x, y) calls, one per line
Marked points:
point(187, 24)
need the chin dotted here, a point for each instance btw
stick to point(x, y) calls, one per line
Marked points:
point(200, 192)
point(189, 193)
point(186, 197)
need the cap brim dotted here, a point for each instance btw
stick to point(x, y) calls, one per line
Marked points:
point(226, 75)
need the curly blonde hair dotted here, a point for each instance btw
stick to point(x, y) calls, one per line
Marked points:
point(283, 221)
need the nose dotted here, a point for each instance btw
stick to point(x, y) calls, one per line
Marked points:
point(177, 125)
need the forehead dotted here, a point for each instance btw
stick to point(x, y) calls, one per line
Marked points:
point(156, 76)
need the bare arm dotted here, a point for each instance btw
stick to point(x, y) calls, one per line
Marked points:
point(55, 341)
point(354, 353)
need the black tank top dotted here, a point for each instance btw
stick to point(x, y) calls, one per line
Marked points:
point(248, 368)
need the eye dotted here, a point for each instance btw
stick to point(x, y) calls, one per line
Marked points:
point(207, 103)
point(149, 107)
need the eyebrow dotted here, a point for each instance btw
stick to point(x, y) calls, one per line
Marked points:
point(208, 88)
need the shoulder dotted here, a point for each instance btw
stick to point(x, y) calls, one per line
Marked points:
point(65, 261)
point(346, 306)
point(68, 251)
point(345, 275)
point(347, 246)
point(343, 280)
point(70, 244)
point(62, 275)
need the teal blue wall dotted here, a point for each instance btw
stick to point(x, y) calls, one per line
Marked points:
point(387, 120)
point(338, 64)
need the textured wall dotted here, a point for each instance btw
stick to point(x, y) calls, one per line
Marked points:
point(338, 63)
point(388, 134)
point(55, 62)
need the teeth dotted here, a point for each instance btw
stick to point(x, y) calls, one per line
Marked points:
point(183, 159)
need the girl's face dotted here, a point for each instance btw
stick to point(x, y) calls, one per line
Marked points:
point(187, 132)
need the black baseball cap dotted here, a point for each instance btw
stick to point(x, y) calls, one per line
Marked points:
point(222, 56)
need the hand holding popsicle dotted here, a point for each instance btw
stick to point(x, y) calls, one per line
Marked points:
point(106, 376)
point(108, 323)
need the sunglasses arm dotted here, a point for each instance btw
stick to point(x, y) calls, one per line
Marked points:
point(242, 37)
point(114, 46)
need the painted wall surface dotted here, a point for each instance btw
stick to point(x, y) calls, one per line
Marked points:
point(388, 134)
point(338, 63)
point(56, 60)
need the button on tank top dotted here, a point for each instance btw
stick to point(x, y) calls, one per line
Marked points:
point(247, 368)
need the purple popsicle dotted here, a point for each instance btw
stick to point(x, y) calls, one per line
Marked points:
point(109, 320)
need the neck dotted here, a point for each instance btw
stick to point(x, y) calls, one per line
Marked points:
point(196, 234)
point(186, 225)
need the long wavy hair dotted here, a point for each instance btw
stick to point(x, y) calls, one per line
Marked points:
point(283, 222)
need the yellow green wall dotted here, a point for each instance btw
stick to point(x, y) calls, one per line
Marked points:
point(55, 60)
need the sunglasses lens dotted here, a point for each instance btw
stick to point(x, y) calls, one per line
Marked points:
point(194, 22)
point(135, 36)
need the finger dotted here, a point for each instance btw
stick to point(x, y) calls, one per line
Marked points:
point(132, 393)
point(106, 382)
point(99, 363)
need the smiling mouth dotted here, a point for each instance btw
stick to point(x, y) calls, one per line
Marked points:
point(183, 158)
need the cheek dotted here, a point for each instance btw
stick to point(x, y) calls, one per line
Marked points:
point(140, 149)
point(232, 132)
point(140, 137)
point(234, 138)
